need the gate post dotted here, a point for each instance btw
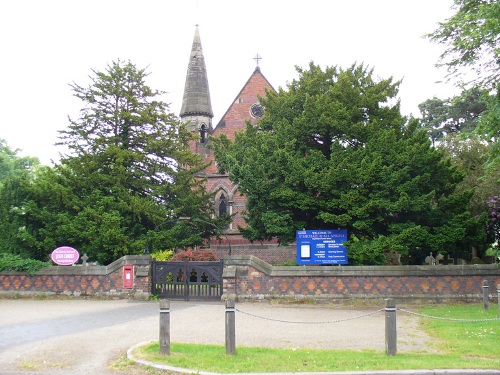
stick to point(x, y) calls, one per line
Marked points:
point(390, 327)
point(230, 327)
point(153, 277)
point(164, 327)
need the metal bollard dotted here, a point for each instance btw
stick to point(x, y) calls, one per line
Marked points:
point(486, 295)
point(391, 336)
point(230, 327)
point(164, 327)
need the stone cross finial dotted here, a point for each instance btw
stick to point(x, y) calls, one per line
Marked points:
point(257, 58)
point(84, 258)
point(430, 260)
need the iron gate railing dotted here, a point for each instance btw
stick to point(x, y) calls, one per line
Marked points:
point(188, 279)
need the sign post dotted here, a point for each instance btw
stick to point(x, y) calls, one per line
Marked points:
point(321, 246)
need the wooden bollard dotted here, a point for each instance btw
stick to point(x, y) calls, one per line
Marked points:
point(486, 295)
point(164, 327)
point(391, 336)
point(230, 327)
point(498, 297)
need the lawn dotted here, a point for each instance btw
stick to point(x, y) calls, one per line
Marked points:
point(460, 341)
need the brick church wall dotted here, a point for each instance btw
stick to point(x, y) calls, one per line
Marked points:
point(273, 254)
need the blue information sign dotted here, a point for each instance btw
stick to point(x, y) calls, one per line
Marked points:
point(321, 246)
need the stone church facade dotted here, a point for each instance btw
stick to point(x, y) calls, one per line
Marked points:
point(197, 111)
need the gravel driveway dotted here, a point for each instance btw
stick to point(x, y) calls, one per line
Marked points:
point(77, 337)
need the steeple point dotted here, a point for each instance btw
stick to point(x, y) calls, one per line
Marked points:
point(196, 104)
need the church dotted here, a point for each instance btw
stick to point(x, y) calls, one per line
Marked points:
point(197, 111)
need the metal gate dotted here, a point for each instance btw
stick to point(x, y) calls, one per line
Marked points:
point(189, 279)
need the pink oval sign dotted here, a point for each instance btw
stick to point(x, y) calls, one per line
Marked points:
point(65, 256)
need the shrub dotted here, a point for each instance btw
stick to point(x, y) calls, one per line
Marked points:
point(13, 262)
point(197, 255)
point(162, 255)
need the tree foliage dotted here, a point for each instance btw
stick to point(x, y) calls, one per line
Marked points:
point(489, 130)
point(15, 171)
point(493, 227)
point(471, 37)
point(457, 115)
point(333, 151)
point(470, 155)
point(11, 164)
point(472, 57)
point(129, 170)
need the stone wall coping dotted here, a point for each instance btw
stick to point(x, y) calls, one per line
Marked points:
point(411, 299)
point(135, 260)
point(333, 271)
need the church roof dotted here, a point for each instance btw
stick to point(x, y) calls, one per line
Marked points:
point(234, 119)
point(196, 100)
point(238, 112)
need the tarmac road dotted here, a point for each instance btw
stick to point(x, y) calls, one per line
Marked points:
point(78, 337)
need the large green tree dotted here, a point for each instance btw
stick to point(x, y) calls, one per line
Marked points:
point(128, 171)
point(333, 151)
point(472, 56)
point(456, 126)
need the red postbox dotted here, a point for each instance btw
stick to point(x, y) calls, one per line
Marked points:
point(128, 276)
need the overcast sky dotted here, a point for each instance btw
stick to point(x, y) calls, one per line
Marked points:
point(46, 45)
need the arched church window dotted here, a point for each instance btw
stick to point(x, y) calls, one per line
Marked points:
point(222, 205)
point(203, 133)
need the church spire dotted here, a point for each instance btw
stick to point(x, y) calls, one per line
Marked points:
point(196, 104)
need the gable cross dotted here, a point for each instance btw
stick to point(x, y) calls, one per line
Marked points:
point(257, 58)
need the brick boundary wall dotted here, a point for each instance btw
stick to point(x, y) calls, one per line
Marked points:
point(249, 278)
point(246, 277)
point(93, 281)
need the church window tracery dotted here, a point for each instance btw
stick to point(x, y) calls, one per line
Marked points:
point(222, 205)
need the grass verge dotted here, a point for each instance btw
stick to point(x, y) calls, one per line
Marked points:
point(460, 344)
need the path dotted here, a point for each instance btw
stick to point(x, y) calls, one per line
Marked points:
point(78, 337)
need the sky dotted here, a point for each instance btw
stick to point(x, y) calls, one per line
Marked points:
point(47, 45)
